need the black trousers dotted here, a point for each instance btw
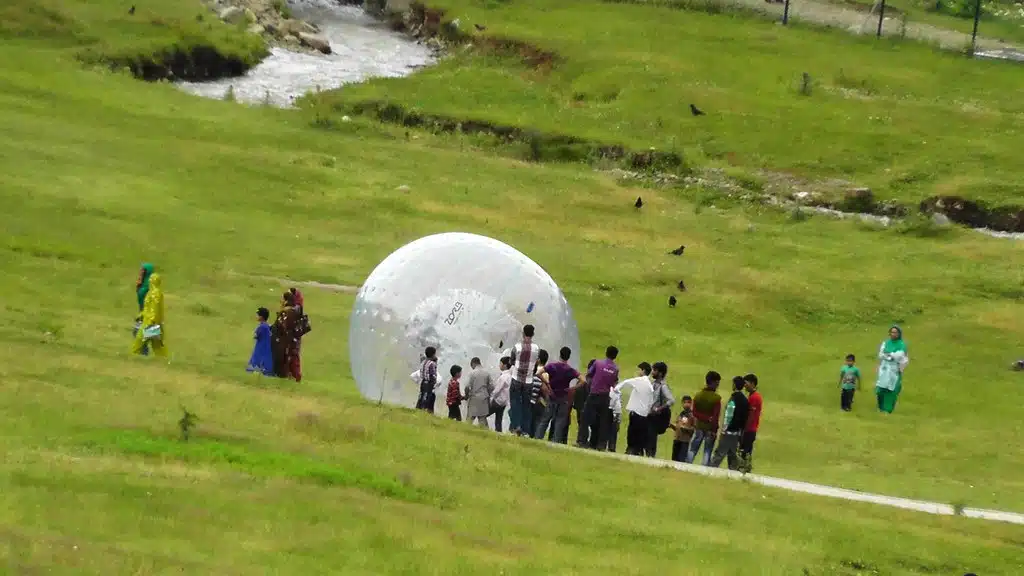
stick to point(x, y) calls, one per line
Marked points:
point(499, 414)
point(846, 400)
point(613, 432)
point(598, 416)
point(455, 413)
point(637, 434)
point(680, 450)
point(652, 439)
point(747, 443)
point(582, 430)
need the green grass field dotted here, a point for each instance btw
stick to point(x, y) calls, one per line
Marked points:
point(895, 116)
point(99, 172)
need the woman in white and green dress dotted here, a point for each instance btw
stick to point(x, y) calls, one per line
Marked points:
point(892, 361)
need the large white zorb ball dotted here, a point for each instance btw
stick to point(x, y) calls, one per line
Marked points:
point(466, 295)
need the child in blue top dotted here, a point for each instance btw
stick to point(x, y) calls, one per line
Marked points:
point(849, 381)
point(262, 359)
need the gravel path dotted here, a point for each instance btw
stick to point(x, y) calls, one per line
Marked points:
point(858, 22)
point(816, 489)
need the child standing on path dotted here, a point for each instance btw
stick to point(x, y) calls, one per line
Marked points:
point(454, 398)
point(849, 381)
point(684, 432)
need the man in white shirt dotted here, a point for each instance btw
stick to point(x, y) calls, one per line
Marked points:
point(499, 396)
point(649, 397)
point(639, 405)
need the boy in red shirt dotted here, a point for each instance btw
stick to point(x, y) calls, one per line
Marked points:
point(753, 422)
point(454, 398)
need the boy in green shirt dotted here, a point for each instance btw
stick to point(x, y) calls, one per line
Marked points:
point(849, 381)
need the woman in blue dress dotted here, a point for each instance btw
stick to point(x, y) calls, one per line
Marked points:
point(262, 359)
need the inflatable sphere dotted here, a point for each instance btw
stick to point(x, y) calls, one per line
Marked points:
point(467, 296)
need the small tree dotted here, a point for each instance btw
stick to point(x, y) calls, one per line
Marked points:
point(187, 423)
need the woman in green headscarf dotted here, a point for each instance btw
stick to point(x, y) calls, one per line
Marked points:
point(892, 361)
point(152, 331)
point(141, 289)
point(142, 283)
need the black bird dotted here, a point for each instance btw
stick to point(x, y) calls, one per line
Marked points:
point(678, 251)
point(682, 286)
point(639, 203)
point(696, 111)
point(671, 301)
point(480, 27)
point(131, 10)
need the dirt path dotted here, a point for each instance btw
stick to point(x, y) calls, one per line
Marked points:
point(857, 22)
point(305, 283)
point(816, 489)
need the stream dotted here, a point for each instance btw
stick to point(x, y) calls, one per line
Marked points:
point(362, 46)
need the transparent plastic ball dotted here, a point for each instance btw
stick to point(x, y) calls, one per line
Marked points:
point(464, 294)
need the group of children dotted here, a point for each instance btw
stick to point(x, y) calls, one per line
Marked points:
point(728, 435)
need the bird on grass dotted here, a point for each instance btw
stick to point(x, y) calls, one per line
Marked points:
point(639, 203)
point(480, 27)
point(682, 286)
point(672, 301)
point(131, 10)
point(678, 251)
point(696, 111)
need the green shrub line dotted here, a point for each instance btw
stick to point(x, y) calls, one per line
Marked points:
point(539, 146)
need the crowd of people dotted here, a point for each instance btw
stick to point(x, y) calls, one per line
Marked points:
point(541, 397)
point(278, 347)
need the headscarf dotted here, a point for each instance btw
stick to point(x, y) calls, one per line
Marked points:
point(153, 308)
point(896, 345)
point(143, 286)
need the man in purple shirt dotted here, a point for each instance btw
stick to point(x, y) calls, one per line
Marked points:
point(559, 377)
point(602, 375)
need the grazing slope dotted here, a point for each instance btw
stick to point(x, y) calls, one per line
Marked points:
point(99, 172)
point(902, 118)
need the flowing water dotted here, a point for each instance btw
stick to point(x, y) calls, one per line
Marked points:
point(362, 48)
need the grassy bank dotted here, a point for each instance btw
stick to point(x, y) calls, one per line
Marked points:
point(176, 40)
point(900, 117)
point(99, 172)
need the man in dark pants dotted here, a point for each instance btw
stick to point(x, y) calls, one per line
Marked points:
point(602, 376)
point(661, 401)
point(753, 423)
point(578, 399)
point(735, 422)
point(560, 376)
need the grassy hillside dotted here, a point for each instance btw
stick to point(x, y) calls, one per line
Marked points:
point(99, 172)
point(900, 117)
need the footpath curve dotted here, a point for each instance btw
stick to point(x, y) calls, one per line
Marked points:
point(816, 489)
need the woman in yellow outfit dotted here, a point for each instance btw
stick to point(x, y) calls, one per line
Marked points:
point(152, 321)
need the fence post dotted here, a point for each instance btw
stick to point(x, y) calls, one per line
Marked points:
point(977, 16)
point(881, 17)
